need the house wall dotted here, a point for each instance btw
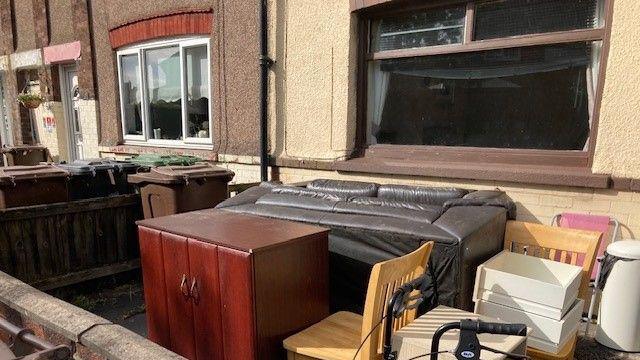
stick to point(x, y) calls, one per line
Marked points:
point(313, 111)
point(234, 68)
point(25, 33)
point(313, 85)
point(55, 137)
point(62, 19)
point(617, 146)
point(313, 82)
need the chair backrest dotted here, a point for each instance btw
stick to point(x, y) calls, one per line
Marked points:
point(385, 278)
point(594, 223)
point(554, 243)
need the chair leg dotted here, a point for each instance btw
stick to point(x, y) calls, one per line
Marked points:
point(594, 296)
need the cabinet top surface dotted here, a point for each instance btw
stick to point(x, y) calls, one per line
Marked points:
point(243, 232)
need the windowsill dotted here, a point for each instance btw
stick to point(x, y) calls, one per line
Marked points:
point(525, 174)
point(170, 145)
point(205, 152)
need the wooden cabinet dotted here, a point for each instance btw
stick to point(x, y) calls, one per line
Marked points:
point(220, 285)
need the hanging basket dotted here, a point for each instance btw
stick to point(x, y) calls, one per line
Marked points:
point(30, 101)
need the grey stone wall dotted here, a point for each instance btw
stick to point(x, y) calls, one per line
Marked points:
point(91, 336)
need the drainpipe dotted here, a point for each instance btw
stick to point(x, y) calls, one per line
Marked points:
point(265, 64)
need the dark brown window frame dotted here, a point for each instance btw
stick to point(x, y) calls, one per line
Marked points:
point(475, 155)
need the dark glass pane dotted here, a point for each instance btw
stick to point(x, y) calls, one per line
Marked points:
point(131, 99)
point(164, 93)
point(525, 98)
point(197, 91)
point(419, 29)
point(520, 17)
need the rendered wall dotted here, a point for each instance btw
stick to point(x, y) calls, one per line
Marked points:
point(618, 148)
point(313, 87)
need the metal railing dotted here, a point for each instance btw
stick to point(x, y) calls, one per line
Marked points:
point(43, 349)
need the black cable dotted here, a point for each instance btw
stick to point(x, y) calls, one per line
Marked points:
point(369, 335)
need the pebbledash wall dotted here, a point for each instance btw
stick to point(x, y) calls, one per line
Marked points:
point(313, 112)
point(39, 37)
point(234, 71)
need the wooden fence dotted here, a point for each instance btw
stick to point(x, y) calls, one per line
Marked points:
point(55, 245)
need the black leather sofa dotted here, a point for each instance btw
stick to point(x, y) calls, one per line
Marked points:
point(371, 223)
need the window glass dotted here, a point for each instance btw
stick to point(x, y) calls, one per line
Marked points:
point(419, 29)
point(197, 92)
point(524, 98)
point(131, 99)
point(497, 19)
point(164, 93)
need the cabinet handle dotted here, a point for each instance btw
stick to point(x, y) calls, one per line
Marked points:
point(183, 286)
point(195, 293)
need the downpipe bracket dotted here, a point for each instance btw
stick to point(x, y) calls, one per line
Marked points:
point(266, 61)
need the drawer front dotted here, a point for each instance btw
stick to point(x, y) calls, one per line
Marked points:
point(179, 305)
point(204, 287)
point(237, 299)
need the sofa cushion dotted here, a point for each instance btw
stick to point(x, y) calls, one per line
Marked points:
point(304, 192)
point(420, 213)
point(298, 202)
point(373, 201)
point(424, 195)
point(344, 188)
point(385, 225)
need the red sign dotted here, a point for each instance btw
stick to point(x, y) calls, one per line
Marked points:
point(49, 123)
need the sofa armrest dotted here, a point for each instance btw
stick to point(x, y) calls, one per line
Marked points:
point(249, 196)
point(480, 230)
point(485, 194)
point(499, 200)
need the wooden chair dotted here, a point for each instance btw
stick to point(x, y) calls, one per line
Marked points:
point(558, 244)
point(339, 336)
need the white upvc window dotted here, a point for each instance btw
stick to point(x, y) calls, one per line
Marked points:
point(165, 93)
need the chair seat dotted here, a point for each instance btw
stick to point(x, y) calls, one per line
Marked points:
point(335, 338)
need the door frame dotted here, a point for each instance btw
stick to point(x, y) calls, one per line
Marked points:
point(5, 116)
point(67, 105)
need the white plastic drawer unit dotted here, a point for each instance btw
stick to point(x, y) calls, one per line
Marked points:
point(545, 334)
point(539, 286)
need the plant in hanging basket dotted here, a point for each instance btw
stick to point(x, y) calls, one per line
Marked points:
point(30, 101)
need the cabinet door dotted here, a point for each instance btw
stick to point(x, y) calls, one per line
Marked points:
point(155, 296)
point(179, 307)
point(236, 295)
point(205, 294)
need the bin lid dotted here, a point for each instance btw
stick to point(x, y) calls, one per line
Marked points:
point(91, 166)
point(154, 160)
point(12, 174)
point(18, 148)
point(629, 249)
point(179, 174)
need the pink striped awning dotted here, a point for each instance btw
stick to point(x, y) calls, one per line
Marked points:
point(62, 53)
